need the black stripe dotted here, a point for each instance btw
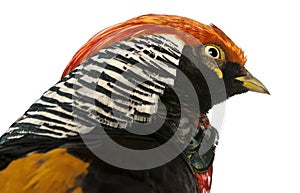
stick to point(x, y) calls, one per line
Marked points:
point(48, 109)
point(55, 127)
point(142, 114)
point(142, 59)
point(164, 60)
point(174, 52)
point(106, 77)
point(72, 86)
point(63, 105)
point(32, 128)
point(141, 93)
point(69, 76)
point(139, 47)
point(123, 46)
point(113, 68)
point(164, 51)
point(141, 101)
point(150, 83)
point(103, 106)
point(126, 60)
point(103, 90)
point(149, 53)
point(48, 119)
point(61, 93)
point(148, 89)
point(38, 107)
point(163, 84)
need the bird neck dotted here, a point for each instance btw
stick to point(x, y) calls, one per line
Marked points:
point(118, 86)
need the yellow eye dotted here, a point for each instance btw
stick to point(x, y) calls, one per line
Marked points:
point(212, 52)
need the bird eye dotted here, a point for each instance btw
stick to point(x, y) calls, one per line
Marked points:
point(212, 52)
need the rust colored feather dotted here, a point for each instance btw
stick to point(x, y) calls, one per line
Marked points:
point(190, 31)
point(205, 180)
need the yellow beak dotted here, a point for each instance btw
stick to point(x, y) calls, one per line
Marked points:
point(252, 83)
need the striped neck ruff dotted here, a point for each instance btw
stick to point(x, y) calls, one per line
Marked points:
point(118, 86)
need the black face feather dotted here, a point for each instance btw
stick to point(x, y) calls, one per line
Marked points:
point(230, 72)
point(210, 88)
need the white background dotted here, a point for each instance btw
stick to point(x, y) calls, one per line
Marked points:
point(259, 143)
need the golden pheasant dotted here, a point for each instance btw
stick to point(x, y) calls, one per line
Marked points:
point(129, 114)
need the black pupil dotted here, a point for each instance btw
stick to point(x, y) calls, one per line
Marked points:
point(213, 52)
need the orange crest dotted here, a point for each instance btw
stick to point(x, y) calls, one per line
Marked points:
point(190, 31)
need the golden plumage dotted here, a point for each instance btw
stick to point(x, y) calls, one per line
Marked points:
point(54, 171)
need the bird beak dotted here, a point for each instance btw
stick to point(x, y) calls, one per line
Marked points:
point(252, 83)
